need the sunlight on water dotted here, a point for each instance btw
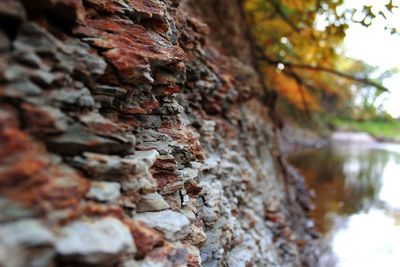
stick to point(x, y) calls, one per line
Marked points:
point(391, 185)
point(357, 202)
point(370, 239)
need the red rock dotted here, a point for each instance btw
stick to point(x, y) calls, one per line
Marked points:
point(192, 188)
point(164, 178)
point(132, 49)
point(51, 121)
point(29, 174)
point(185, 135)
point(168, 164)
point(147, 8)
point(146, 239)
point(95, 209)
point(177, 256)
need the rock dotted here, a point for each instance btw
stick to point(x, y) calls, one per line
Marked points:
point(188, 174)
point(99, 125)
point(146, 238)
point(109, 90)
point(26, 243)
point(150, 121)
point(109, 167)
point(240, 256)
point(143, 263)
point(133, 60)
point(4, 42)
point(143, 182)
point(132, 171)
point(152, 202)
point(73, 98)
point(78, 139)
point(94, 242)
point(11, 211)
point(20, 90)
point(104, 191)
point(12, 10)
point(69, 10)
point(149, 157)
point(173, 225)
point(28, 233)
point(52, 120)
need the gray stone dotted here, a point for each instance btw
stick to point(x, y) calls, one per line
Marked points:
point(11, 211)
point(173, 225)
point(150, 121)
point(26, 243)
point(12, 10)
point(143, 181)
point(104, 191)
point(28, 233)
point(109, 90)
point(21, 89)
point(78, 139)
point(188, 173)
point(132, 171)
point(71, 97)
point(95, 242)
point(152, 202)
point(147, 156)
point(240, 256)
point(4, 42)
point(28, 58)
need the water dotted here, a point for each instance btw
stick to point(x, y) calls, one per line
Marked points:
point(357, 197)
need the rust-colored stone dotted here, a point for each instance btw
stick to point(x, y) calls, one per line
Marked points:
point(95, 209)
point(146, 239)
point(131, 48)
point(192, 188)
point(164, 178)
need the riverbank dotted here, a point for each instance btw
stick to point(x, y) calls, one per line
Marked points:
point(293, 138)
point(381, 130)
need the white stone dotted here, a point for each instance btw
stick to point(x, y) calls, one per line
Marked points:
point(104, 191)
point(94, 241)
point(173, 225)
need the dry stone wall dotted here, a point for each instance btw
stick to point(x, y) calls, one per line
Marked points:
point(130, 137)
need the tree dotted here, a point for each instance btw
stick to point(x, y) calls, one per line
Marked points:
point(299, 48)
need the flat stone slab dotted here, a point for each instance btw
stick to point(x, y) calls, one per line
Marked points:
point(173, 225)
point(104, 191)
point(94, 241)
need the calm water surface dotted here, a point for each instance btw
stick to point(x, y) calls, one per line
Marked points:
point(357, 197)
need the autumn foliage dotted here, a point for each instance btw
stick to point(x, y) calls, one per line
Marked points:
point(299, 47)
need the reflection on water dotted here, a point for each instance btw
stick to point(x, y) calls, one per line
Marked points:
point(357, 197)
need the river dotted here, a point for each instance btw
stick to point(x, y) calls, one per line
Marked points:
point(357, 198)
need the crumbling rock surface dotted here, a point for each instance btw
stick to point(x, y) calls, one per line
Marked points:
point(134, 134)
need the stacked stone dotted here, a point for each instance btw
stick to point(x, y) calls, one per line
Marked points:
point(127, 140)
point(77, 187)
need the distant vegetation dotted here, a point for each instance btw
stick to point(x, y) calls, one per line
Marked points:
point(384, 128)
point(299, 47)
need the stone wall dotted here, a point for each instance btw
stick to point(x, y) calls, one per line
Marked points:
point(133, 134)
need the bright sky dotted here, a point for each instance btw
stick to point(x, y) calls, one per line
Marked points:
point(378, 47)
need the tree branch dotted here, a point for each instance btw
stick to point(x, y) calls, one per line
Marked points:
point(324, 69)
point(284, 17)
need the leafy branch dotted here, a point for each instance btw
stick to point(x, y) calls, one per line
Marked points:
point(334, 72)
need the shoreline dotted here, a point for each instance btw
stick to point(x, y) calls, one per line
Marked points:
point(293, 139)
